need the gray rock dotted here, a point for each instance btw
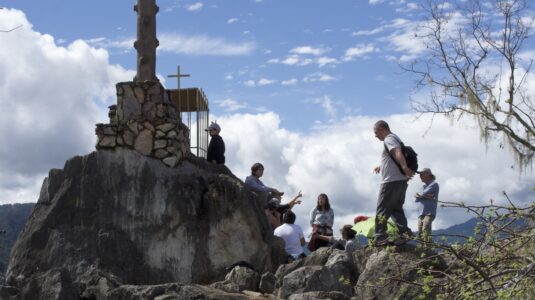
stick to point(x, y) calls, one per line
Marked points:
point(140, 94)
point(132, 125)
point(166, 127)
point(96, 284)
point(131, 217)
point(9, 293)
point(160, 154)
point(388, 269)
point(170, 161)
point(143, 142)
point(267, 283)
point(159, 144)
point(171, 134)
point(174, 291)
point(319, 295)
point(325, 270)
point(159, 134)
point(128, 138)
point(53, 284)
point(244, 278)
point(107, 142)
point(148, 126)
point(128, 109)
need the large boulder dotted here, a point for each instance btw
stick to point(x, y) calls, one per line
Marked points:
point(142, 222)
point(171, 291)
point(327, 270)
point(390, 272)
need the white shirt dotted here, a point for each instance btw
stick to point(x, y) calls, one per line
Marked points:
point(292, 235)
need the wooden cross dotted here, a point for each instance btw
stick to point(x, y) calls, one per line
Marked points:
point(178, 75)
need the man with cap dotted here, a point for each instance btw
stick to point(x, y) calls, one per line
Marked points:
point(216, 148)
point(428, 200)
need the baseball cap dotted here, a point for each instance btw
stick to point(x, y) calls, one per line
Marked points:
point(213, 126)
point(425, 170)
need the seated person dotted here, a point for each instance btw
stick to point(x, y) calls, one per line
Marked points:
point(275, 210)
point(321, 221)
point(253, 183)
point(292, 234)
point(349, 241)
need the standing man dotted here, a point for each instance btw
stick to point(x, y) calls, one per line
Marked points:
point(428, 199)
point(293, 236)
point(216, 148)
point(393, 186)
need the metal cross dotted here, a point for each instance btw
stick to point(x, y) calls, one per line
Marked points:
point(178, 75)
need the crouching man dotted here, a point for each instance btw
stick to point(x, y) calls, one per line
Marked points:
point(292, 235)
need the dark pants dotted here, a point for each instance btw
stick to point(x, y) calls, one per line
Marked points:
point(390, 204)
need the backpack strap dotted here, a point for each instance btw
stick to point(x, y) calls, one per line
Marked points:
point(392, 157)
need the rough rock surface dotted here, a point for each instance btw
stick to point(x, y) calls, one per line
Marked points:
point(140, 222)
point(388, 270)
point(239, 279)
point(324, 270)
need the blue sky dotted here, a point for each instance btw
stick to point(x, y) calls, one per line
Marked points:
point(296, 85)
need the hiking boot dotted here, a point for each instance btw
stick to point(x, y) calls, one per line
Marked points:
point(400, 241)
point(381, 243)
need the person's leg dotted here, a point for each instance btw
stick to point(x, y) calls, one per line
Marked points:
point(420, 226)
point(427, 221)
point(384, 211)
point(399, 188)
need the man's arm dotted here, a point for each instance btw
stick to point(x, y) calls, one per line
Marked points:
point(398, 156)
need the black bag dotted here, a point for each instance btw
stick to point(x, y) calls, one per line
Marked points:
point(411, 157)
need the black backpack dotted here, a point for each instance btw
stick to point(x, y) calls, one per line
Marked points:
point(411, 157)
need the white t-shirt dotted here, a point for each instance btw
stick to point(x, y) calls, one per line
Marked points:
point(389, 169)
point(292, 235)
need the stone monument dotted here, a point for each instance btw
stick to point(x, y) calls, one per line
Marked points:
point(144, 118)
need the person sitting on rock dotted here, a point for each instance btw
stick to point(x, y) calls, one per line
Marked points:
point(321, 220)
point(254, 184)
point(216, 148)
point(293, 237)
point(274, 209)
point(348, 243)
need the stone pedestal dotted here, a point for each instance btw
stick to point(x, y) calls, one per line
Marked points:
point(145, 119)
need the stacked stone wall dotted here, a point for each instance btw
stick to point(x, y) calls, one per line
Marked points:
point(145, 120)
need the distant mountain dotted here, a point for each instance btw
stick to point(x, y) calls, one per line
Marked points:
point(12, 219)
point(451, 234)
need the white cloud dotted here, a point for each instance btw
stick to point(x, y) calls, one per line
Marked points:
point(318, 76)
point(183, 44)
point(324, 61)
point(411, 6)
point(195, 6)
point(265, 81)
point(203, 45)
point(338, 160)
point(292, 81)
point(232, 20)
point(249, 83)
point(230, 105)
point(52, 96)
point(359, 50)
point(374, 2)
point(328, 106)
point(308, 50)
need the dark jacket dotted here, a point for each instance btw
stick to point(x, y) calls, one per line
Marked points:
point(216, 150)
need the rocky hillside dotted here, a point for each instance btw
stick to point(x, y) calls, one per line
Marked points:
point(140, 222)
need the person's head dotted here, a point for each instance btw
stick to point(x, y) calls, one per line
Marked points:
point(273, 204)
point(213, 129)
point(348, 233)
point(426, 175)
point(289, 217)
point(381, 130)
point(257, 170)
point(323, 202)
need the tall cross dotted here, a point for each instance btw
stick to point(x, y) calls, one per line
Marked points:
point(178, 75)
point(146, 42)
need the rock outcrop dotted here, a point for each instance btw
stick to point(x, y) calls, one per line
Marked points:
point(139, 222)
